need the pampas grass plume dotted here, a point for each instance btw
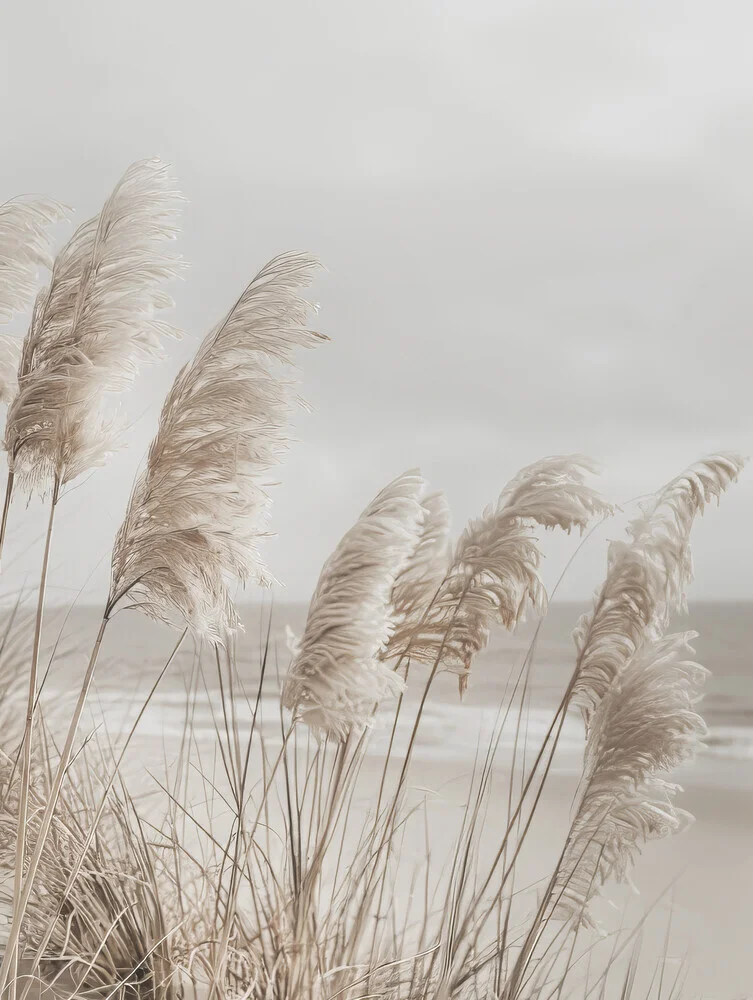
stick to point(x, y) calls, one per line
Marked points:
point(10, 353)
point(646, 577)
point(25, 246)
point(200, 507)
point(494, 571)
point(92, 328)
point(427, 567)
point(337, 677)
point(644, 726)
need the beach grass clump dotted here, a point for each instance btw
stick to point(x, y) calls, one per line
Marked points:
point(281, 862)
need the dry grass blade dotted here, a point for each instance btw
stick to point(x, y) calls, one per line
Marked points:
point(102, 908)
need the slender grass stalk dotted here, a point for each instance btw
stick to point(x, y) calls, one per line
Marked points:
point(45, 825)
point(28, 737)
point(6, 508)
point(94, 825)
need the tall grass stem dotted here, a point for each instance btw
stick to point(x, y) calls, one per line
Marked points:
point(45, 825)
point(6, 509)
point(28, 737)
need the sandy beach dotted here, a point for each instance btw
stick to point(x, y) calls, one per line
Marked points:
point(705, 874)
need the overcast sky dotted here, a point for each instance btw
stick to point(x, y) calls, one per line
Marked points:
point(536, 219)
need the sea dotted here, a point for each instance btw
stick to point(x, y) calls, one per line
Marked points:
point(452, 727)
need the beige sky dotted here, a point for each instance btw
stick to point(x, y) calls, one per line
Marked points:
point(536, 219)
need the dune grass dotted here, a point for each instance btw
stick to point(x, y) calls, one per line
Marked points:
point(287, 867)
point(290, 870)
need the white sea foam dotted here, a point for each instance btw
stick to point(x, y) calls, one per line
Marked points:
point(452, 732)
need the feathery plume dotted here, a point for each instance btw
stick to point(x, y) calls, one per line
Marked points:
point(646, 578)
point(199, 509)
point(92, 328)
point(25, 245)
point(665, 525)
point(10, 353)
point(494, 572)
point(645, 726)
point(337, 678)
point(419, 581)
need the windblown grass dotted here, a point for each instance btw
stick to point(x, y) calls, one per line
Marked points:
point(283, 868)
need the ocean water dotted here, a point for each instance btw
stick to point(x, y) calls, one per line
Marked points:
point(451, 728)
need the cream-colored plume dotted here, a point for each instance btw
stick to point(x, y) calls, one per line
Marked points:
point(494, 571)
point(424, 573)
point(646, 578)
point(10, 353)
point(644, 726)
point(200, 507)
point(92, 327)
point(337, 678)
point(25, 246)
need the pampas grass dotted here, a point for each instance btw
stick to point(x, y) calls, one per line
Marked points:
point(645, 726)
point(494, 571)
point(92, 327)
point(164, 560)
point(200, 508)
point(259, 884)
point(646, 577)
point(337, 679)
point(269, 871)
point(10, 354)
point(25, 246)
point(636, 694)
point(417, 585)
